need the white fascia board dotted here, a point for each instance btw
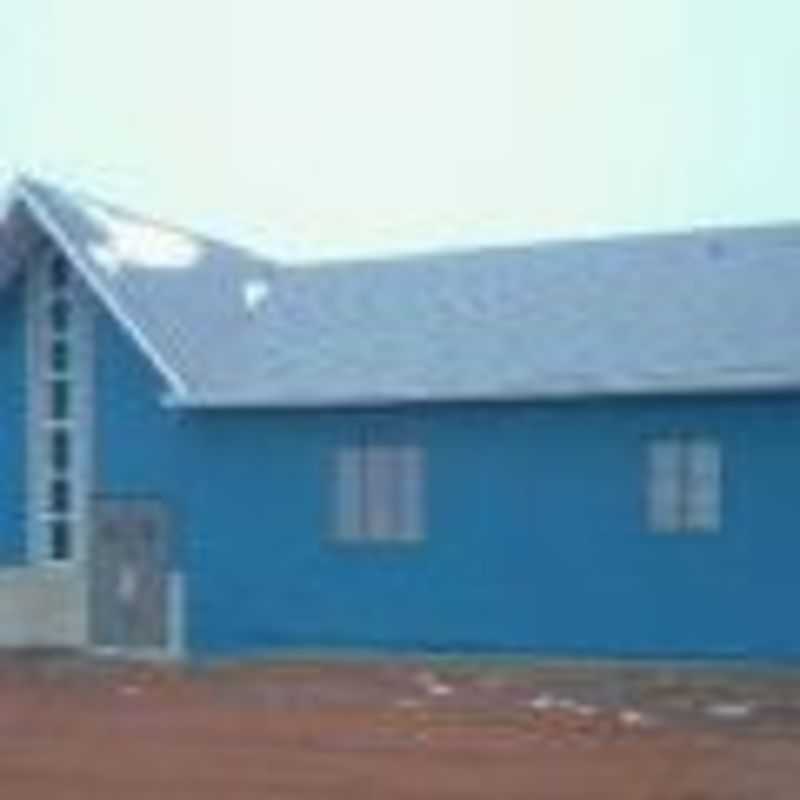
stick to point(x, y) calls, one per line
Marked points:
point(201, 402)
point(40, 212)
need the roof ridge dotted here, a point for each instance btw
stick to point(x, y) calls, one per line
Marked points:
point(557, 244)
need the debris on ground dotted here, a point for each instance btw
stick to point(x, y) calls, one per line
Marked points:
point(732, 711)
point(634, 719)
point(340, 730)
point(547, 702)
point(433, 686)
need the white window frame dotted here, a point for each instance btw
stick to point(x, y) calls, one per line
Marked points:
point(379, 491)
point(684, 484)
point(78, 424)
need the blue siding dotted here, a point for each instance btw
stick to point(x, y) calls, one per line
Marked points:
point(12, 424)
point(535, 536)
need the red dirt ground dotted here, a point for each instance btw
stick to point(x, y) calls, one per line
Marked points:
point(83, 730)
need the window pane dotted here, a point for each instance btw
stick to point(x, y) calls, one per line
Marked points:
point(60, 450)
point(60, 539)
point(410, 493)
point(348, 493)
point(379, 492)
point(59, 395)
point(59, 315)
point(703, 485)
point(664, 485)
point(59, 496)
point(381, 507)
point(59, 272)
point(59, 356)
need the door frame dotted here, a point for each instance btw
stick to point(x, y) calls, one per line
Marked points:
point(174, 648)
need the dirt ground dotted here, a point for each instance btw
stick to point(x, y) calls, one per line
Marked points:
point(435, 729)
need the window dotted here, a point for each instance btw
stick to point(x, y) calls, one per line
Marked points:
point(378, 492)
point(57, 340)
point(684, 484)
point(60, 335)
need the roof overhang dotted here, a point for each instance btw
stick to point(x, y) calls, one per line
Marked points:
point(27, 195)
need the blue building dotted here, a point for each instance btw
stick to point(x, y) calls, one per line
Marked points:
point(586, 448)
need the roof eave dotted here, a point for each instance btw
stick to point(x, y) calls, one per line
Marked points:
point(220, 402)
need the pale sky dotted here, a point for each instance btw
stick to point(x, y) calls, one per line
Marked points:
point(319, 129)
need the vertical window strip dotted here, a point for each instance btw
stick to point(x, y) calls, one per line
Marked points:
point(704, 485)
point(664, 486)
point(400, 481)
point(380, 509)
point(54, 373)
point(410, 487)
point(372, 526)
point(349, 499)
point(683, 483)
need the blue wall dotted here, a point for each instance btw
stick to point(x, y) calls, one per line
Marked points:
point(12, 423)
point(535, 535)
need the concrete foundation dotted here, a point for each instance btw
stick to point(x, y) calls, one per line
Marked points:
point(43, 606)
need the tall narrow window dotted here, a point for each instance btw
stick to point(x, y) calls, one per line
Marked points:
point(684, 484)
point(59, 406)
point(378, 492)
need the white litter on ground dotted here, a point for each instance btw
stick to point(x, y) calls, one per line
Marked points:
point(130, 691)
point(730, 710)
point(547, 702)
point(634, 719)
point(433, 686)
point(543, 702)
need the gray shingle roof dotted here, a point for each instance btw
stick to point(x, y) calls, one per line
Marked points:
point(709, 311)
